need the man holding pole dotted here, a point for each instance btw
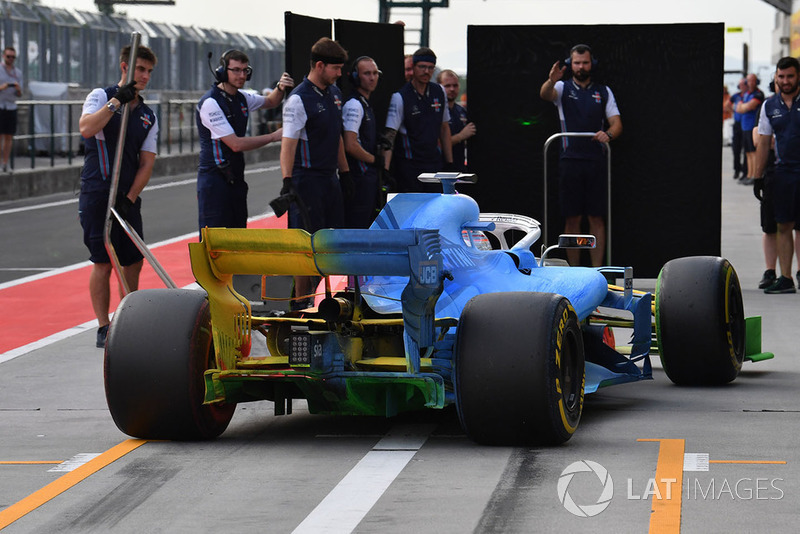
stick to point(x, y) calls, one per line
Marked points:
point(100, 127)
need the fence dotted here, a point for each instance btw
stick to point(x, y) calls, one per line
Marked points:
point(58, 136)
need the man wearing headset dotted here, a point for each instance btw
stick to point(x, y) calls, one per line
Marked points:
point(361, 144)
point(583, 106)
point(99, 125)
point(221, 118)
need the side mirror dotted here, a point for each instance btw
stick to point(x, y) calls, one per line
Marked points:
point(576, 241)
point(571, 241)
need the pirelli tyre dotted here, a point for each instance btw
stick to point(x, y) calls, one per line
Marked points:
point(700, 322)
point(519, 369)
point(159, 346)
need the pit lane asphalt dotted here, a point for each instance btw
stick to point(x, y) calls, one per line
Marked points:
point(268, 474)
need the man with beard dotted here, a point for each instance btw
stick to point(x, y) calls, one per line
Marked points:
point(221, 116)
point(418, 112)
point(460, 127)
point(583, 106)
point(361, 144)
point(312, 149)
point(780, 117)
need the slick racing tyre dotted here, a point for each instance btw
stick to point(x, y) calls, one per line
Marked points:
point(519, 369)
point(159, 346)
point(700, 321)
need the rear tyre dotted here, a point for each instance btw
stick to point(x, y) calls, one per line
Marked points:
point(519, 369)
point(700, 321)
point(159, 346)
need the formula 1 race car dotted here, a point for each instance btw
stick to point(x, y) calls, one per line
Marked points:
point(430, 307)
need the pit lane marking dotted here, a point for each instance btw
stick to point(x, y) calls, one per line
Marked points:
point(349, 502)
point(666, 512)
point(66, 481)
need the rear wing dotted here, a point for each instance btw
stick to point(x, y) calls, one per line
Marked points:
point(223, 252)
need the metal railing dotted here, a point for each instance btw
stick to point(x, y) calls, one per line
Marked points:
point(608, 185)
point(177, 130)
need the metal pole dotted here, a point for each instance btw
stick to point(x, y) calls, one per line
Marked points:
point(112, 194)
point(608, 178)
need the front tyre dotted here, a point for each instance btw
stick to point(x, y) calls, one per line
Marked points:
point(700, 321)
point(519, 369)
point(159, 346)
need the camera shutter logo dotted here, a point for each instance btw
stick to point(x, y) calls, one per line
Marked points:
point(585, 510)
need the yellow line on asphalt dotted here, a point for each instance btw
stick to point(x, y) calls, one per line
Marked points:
point(66, 481)
point(666, 507)
point(32, 462)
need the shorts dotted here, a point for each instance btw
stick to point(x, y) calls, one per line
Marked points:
point(786, 195)
point(92, 207)
point(220, 204)
point(322, 197)
point(583, 187)
point(747, 141)
point(8, 121)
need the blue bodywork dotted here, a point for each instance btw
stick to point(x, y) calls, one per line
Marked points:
point(471, 271)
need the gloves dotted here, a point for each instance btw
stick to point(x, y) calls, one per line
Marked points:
point(384, 143)
point(126, 93)
point(123, 205)
point(758, 188)
point(347, 184)
point(287, 186)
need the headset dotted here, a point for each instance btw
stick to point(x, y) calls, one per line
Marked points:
point(354, 78)
point(568, 61)
point(221, 74)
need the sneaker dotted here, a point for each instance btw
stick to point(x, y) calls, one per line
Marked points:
point(736, 175)
point(797, 274)
point(102, 332)
point(768, 279)
point(781, 285)
point(747, 181)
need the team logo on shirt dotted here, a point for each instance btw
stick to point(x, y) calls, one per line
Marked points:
point(436, 105)
point(244, 110)
point(320, 107)
point(147, 122)
point(597, 97)
point(337, 101)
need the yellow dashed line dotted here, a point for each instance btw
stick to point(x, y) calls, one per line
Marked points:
point(666, 507)
point(66, 481)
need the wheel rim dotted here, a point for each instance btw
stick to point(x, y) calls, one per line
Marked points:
point(735, 318)
point(571, 383)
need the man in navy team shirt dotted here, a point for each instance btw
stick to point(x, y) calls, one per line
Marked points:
point(748, 107)
point(583, 106)
point(361, 144)
point(460, 127)
point(780, 116)
point(221, 117)
point(100, 127)
point(312, 148)
point(419, 114)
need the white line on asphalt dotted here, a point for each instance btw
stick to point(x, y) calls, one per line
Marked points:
point(49, 340)
point(149, 188)
point(351, 500)
point(75, 462)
